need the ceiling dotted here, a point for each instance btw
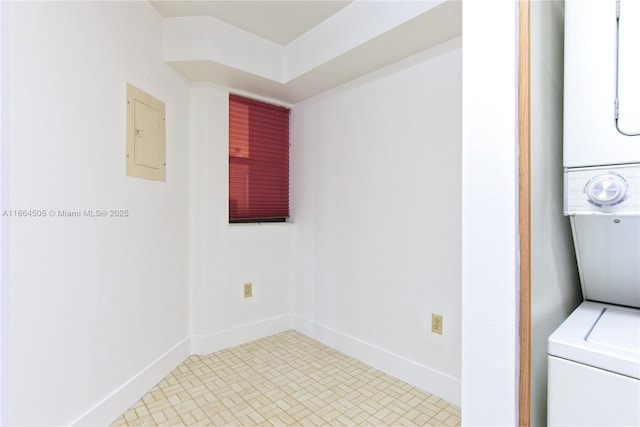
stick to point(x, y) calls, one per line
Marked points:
point(278, 21)
point(291, 50)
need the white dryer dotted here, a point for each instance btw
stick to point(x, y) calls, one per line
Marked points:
point(601, 85)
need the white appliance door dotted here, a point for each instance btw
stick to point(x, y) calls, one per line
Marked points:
point(608, 254)
point(590, 134)
point(629, 68)
point(579, 395)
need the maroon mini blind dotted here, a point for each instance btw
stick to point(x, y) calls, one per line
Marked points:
point(258, 161)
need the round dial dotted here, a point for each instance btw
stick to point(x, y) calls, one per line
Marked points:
point(606, 189)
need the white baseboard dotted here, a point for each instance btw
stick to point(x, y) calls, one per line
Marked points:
point(430, 380)
point(127, 394)
point(121, 399)
point(226, 338)
point(423, 377)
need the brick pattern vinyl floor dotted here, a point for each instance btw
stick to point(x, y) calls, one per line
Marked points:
point(286, 379)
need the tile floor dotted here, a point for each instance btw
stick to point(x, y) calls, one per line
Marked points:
point(286, 379)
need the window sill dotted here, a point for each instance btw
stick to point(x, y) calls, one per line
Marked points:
point(261, 223)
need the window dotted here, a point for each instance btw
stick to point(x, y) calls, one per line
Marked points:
point(258, 161)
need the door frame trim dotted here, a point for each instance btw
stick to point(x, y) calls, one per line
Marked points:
point(524, 211)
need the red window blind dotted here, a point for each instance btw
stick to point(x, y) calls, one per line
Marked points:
point(258, 161)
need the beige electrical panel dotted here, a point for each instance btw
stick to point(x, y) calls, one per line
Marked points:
point(146, 148)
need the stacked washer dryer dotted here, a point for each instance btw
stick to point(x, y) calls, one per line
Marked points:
point(594, 356)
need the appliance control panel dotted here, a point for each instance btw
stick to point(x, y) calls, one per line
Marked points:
point(602, 190)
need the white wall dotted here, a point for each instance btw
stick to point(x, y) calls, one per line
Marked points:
point(376, 192)
point(92, 306)
point(224, 256)
point(555, 286)
point(5, 33)
point(489, 214)
point(94, 302)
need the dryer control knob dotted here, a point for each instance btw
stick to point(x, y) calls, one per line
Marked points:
point(606, 189)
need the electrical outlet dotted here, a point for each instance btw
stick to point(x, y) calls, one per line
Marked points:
point(436, 323)
point(248, 290)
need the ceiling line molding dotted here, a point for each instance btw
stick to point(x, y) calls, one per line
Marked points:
point(354, 25)
point(360, 38)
